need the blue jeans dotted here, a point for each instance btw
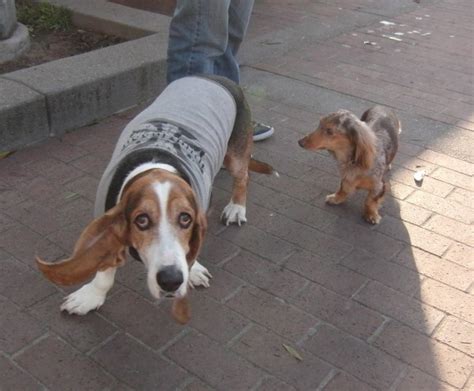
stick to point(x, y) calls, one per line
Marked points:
point(204, 37)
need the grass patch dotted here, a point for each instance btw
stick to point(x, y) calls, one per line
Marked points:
point(43, 17)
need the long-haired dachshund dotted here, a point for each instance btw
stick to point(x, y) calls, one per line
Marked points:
point(363, 148)
point(153, 195)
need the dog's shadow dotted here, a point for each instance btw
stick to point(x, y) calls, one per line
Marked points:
point(369, 303)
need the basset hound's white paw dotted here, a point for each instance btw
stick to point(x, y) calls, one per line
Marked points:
point(199, 276)
point(234, 213)
point(83, 300)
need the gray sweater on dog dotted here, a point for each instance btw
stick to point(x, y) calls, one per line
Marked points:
point(190, 124)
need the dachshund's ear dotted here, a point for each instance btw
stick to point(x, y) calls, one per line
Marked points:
point(197, 237)
point(101, 245)
point(363, 139)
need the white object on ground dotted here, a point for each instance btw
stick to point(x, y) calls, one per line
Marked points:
point(419, 175)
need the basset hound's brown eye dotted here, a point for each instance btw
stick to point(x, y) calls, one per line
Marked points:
point(142, 221)
point(184, 220)
point(329, 131)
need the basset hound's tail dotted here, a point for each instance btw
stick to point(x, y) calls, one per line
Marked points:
point(262, 167)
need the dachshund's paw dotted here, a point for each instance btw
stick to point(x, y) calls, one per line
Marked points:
point(372, 218)
point(199, 276)
point(234, 213)
point(83, 300)
point(334, 199)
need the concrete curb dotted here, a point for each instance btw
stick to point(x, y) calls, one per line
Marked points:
point(53, 98)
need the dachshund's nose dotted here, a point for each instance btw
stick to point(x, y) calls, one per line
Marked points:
point(302, 142)
point(169, 278)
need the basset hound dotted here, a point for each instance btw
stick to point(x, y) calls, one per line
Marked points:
point(153, 195)
point(363, 148)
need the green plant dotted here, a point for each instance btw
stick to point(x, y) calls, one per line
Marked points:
point(41, 17)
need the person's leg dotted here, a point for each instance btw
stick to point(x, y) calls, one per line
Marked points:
point(239, 17)
point(198, 35)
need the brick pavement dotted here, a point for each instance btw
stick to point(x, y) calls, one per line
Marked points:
point(388, 307)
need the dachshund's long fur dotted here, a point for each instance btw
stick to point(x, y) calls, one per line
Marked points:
point(364, 149)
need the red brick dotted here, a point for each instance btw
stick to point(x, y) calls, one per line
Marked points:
point(355, 357)
point(46, 191)
point(197, 385)
point(78, 210)
point(284, 164)
point(429, 185)
point(14, 378)
point(301, 235)
point(82, 332)
point(55, 170)
point(410, 149)
point(15, 276)
point(296, 210)
point(320, 179)
point(216, 250)
point(405, 211)
point(461, 254)
point(265, 275)
point(437, 359)
point(328, 274)
point(16, 174)
point(344, 382)
point(223, 284)
point(273, 384)
point(454, 178)
point(361, 236)
point(18, 328)
point(259, 242)
point(85, 186)
point(469, 386)
point(399, 306)
point(442, 206)
point(137, 366)
point(10, 197)
point(388, 273)
point(266, 350)
point(273, 313)
point(296, 188)
point(415, 380)
point(451, 228)
point(37, 216)
point(91, 164)
point(461, 196)
point(26, 244)
point(67, 236)
point(447, 299)
point(414, 235)
point(6, 223)
point(221, 367)
point(58, 366)
point(436, 268)
point(133, 275)
point(147, 322)
point(342, 312)
point(413, 163)
point(214, 319)
point(458, 334)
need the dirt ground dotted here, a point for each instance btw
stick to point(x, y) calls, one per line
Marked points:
point(54, 45)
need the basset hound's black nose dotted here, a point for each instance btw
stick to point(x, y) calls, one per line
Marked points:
point(169, 278)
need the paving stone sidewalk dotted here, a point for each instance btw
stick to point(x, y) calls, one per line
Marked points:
point(389, 307)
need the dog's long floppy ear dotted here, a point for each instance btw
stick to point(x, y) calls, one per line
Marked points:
point(180, 310)
point(197, 237)
point(363, 140)
point(100, 246)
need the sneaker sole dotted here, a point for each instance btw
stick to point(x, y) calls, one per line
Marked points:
point(263, 136)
